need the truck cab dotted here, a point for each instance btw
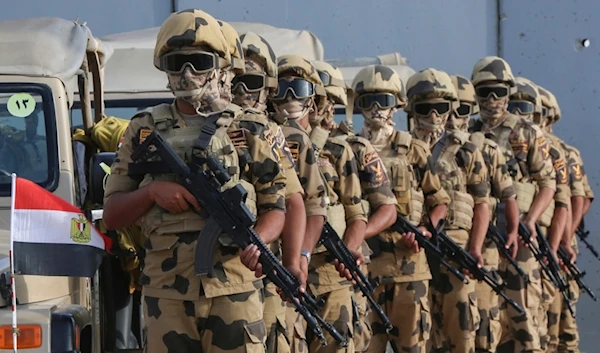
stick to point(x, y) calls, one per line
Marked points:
point(45, 64)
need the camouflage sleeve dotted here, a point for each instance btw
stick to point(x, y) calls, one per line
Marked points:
point(562, 197)
point(286, 162)
point(119, 179)
point(374, 181)
point(348, 186)
point(575, 171)
point(305, 160)
point(477, 175)
point(420, 156)
point(266, 175)
point(502, 183)
point(538, 159)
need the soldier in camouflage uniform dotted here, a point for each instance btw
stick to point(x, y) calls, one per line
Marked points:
point(344, 213)
point(502, 200)
point(534, 179)
point(463, 175)
point(294, 102)
point(251, 89)
point(378, 199)
point(526, 102)
point(185, 312)
point(398, 265)
point(562, 327)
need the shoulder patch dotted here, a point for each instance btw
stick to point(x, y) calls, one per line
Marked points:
point(238, 138)
point(375, 167)
point(143, 134)
point(577, 172)
point(282, 147)
point(294, 147)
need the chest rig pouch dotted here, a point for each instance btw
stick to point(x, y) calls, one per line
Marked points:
point(454, 180)
point(336, 216)
point(404, 182)
point(193, 144)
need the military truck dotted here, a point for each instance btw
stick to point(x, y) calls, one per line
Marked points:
point(46, 65)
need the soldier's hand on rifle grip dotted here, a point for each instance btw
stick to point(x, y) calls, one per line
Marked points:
point(172, 197)
point(249, 257)
point(512, 243)
point(343, 271)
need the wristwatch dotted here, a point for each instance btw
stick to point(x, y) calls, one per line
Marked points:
point(306, 254)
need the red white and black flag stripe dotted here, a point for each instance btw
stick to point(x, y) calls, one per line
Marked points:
point(51, 237)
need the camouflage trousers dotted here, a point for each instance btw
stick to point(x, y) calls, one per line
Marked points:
point(274, 316)
point(523, 330)
point(407, 307)
point(455, 314)
point(336, 310)
point(231, 323)
point(362, 326)
point(562, 327)
point(549, 293)
point(490, 330)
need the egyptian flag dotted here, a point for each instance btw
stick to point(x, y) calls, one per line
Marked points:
point(51, 237)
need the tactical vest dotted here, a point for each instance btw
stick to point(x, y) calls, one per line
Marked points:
point(483, 143)
point(182, 140)
point(403, 178)
point(454, 181)
point(336, 216)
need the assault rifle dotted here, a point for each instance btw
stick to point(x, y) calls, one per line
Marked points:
point(500, 240)
point(402, 226)
point(574, 272)
point(466, 261)
point(227, 212)
point(583, 234)
point(336, 247)
point(542, 253)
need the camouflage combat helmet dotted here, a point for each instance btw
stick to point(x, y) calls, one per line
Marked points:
point(379, 78)
point(555, 108)
point(431, 83)
point(336, 87)
point(546, 102)
point(257, 48)
point(235, 47)
point(492, 68)
point(465, 91)
point(527, 91)
point(305, 69)
point(191, 28)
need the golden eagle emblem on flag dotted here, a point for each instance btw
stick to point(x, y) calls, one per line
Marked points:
point(81, 230)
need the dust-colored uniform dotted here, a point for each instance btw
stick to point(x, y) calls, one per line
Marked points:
point(274, 308)
point(528, 158)
point(343, 199)
point(185, 312)
point(375, 192)
point(305, 162)
point(403, 276)
point(501, 188)
point(563, 334)
point(562, 198)
point(463, 174)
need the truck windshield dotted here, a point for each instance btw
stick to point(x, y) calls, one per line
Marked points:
point(27, 135)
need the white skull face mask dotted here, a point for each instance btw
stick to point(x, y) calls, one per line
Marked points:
point(429, 128)
point(202, 91)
